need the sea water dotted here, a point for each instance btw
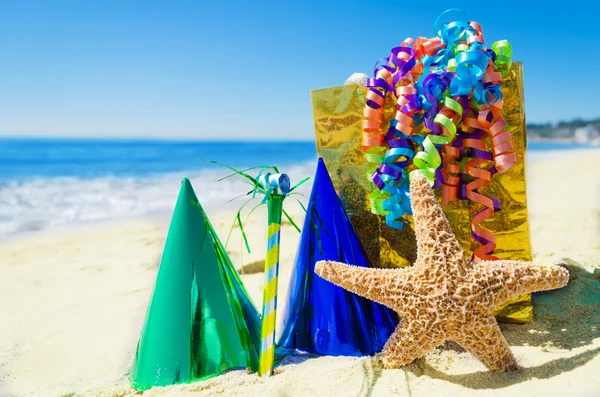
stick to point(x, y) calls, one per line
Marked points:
point(46, 183)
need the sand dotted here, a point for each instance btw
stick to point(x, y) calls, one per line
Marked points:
point(73, 303)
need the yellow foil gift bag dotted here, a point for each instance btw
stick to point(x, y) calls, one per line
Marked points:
point(337, 113)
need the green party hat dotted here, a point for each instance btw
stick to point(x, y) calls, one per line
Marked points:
point(200, 321)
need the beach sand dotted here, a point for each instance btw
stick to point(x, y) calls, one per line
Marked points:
point(73, 304)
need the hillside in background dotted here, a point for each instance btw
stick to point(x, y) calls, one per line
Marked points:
point(578, 130)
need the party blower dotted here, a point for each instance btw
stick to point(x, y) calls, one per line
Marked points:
point(274, 187)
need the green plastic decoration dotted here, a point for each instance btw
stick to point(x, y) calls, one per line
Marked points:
point(200, 321)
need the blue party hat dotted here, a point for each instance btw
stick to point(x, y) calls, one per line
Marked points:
point(321, 317)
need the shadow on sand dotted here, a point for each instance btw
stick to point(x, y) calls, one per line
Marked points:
point(567, 318)
point(492, 380)
point(371, 374)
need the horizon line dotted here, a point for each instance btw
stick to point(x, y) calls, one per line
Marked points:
point(151, 138)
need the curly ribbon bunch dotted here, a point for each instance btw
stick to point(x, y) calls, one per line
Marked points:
point(450, 87)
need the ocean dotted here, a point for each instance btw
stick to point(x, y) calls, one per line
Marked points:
point(47, 183)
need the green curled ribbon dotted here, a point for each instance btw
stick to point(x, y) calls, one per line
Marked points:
point(428, 160)
point(375, 157)
point(503, 51)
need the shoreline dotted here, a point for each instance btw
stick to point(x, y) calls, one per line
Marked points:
point(165, 215)
point(77, 227)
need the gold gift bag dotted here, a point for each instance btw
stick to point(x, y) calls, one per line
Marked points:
point(337, 113)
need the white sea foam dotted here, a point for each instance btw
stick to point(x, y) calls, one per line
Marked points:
point(47, 203)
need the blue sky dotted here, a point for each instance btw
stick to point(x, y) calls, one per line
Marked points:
point(244, 69)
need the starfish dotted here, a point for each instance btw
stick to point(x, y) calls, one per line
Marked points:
point(444, 296)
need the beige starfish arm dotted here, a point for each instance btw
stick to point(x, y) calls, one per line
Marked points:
point(410, 340)
point(435, 239)
point(482, 338)
point(506, 279)
point(385, 286)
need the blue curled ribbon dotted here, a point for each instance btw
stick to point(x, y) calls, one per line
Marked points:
point(391, 178)
point(470, 60)
point(470, 68)
point(398, 204)
point(488, 94)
